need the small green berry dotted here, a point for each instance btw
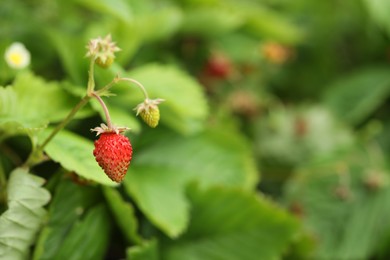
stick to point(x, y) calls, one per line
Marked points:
point(104, 63)
point(151, 116)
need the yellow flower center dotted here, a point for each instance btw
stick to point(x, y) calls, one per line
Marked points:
point(16, 58)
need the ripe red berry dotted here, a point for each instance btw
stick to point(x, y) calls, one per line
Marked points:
point(218, 66)
point(113, 153)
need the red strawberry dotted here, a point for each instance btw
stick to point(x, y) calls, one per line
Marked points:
point(219, 66)
point(113, 153)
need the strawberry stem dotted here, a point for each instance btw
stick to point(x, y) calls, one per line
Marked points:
point(105, 109)
point(91, 79)
point(116, 80)
point(138, 84)
point(104, 91)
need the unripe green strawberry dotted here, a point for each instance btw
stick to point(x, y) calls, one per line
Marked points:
point(151, 116)
point(104, 63)
point(149, 112)
point(113, 152)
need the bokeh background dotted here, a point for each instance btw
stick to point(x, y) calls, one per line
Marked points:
point(273, 141)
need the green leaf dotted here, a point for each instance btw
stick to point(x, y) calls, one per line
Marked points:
point(159, 24)
point(378, 11)
point(71, 51)
point(124, 214)
point(153, 188)
point(265, 23)
point(8, 101)
point(69, 205)
point(118, 8)
point(159, 174)
point(211, 21)
point(185, 108)
point(75, 153)
point(89, 237)
point(147, 251)
point(20, 223)
point(32, 103)
point(232, 224)
point(354, 97)
point(343, 200)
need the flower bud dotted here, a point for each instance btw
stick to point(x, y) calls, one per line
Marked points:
point(102, 51)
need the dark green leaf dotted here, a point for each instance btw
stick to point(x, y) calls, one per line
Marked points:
point(354, 97)
point(232, 224)
point(344, 200)
point(69, 205)
point(89, 237)
point(71, 50)
point(124, 214)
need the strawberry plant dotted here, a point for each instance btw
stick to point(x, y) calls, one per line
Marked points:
point(188, 129)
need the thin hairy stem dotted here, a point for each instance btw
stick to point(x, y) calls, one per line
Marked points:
point(105, 109)
point(91, 79)
point(138, 84)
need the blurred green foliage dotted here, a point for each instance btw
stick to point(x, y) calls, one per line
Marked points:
point(295, 90)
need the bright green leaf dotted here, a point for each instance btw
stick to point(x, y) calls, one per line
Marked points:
point(268, 24)
point(8, 101)
point(31, 103)
point(20, 223)
point(75, 153)
point(123, 213)
point(118, 8)
point(147, 251)
point(185, 108)
point(154, 188)
point(159, 174)
point(232, 224)
point(378, 11)
point(159, 24)
point(211, 21)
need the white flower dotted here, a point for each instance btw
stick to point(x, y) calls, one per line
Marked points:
point(17, 56)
